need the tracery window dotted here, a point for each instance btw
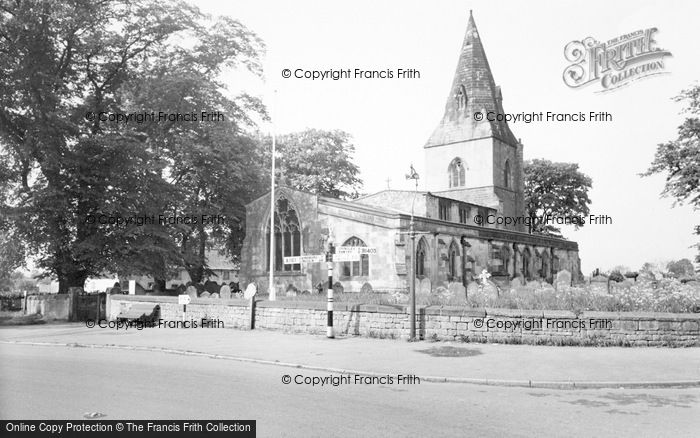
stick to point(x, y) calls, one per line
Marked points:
point(453, 262)
point(358, 268)
point(287, 236)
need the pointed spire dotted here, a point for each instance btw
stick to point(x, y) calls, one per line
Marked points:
point(473, 90)
point(473, 75)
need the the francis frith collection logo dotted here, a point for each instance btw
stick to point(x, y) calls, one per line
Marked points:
point(616, 62)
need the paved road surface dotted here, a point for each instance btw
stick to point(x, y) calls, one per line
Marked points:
point(64, 383)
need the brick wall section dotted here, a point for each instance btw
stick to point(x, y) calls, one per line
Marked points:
point(443, 323)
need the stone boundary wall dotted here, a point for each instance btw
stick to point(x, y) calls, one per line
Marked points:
point(51, 306)
point(440, 323)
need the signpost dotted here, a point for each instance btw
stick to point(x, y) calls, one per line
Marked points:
point(347, 257)
point(343, 254)
point(355, 250)
point(295, 260)
point(183, 300)
point(329, 322)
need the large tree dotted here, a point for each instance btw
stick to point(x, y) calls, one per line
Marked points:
point(556, 190)
point(679, 159)
point(319, 162)
point(65, 63)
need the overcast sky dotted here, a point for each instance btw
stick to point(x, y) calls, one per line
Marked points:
point(391, 119)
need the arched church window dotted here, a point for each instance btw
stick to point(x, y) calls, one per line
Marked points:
point(505, 259)
point(287, 236)
point(355, 269)
point(546, 265)
point(453, 262)
point(421, 258)
point(456, 173)
point(506, 174)
point(461, 98)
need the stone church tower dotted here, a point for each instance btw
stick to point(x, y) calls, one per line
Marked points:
point(476, 161)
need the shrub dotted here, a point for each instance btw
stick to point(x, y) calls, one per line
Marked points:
point(616, 276)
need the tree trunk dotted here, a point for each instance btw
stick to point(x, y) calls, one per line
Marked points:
point(71, 279)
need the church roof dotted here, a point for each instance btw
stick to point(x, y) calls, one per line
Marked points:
point(473, 90)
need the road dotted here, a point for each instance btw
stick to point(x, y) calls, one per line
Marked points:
point(38, 382)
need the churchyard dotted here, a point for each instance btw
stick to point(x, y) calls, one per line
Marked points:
point(644, 294)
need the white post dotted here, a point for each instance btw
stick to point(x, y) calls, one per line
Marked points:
point(329, 324)
point(271, 281)
point(132, 287)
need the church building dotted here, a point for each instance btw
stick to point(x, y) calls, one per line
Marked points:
point(474, 169)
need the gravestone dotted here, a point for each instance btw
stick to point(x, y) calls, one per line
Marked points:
point(400, 298)
point(546, 287)
point(534, 285)
point(563, 279)
point(518, 281)
point(192, 291)
point(425, 287)
point(458, 290)
point(443, 294)
point(250, 291)
point(490, 289)
point(473, 289)
point(225, 292)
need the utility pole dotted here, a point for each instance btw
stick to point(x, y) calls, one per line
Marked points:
point(271, 280)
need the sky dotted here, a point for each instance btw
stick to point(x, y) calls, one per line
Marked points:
point(391, 119)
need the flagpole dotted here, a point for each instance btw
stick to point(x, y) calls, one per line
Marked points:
point(271, 284)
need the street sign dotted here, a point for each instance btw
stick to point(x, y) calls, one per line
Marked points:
point(347, 257)
point(183, 300)
point(313, 258)
point(355, 249)
point(292, 260)
point(316, 258)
